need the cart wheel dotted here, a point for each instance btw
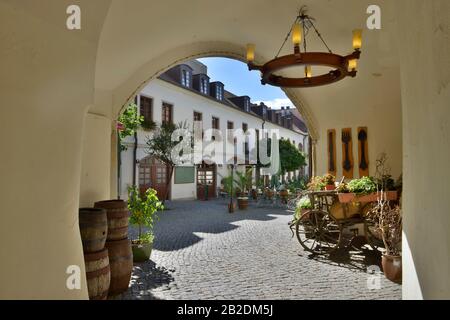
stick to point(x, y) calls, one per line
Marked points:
point(318, 232)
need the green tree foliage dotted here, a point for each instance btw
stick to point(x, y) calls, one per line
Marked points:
point(131, 121)
point(160, 146)
point(143, 209)
point(291, 158)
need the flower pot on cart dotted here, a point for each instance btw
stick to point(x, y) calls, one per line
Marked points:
point(373, 197)
point(330, 187)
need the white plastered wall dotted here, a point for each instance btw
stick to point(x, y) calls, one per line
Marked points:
point(424, 42)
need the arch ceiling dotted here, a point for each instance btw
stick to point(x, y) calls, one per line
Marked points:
point(141, 40)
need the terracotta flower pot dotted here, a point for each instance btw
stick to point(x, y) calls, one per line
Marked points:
point(373, 197)
point(242, 203)
point(392, 268)
point(330, 187)
point(346, 197)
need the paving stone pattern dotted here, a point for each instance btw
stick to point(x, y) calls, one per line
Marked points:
point(203, 252)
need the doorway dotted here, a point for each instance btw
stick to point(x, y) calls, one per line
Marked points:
point(154, 174)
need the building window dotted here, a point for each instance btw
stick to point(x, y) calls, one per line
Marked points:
point(215, 123)
point(198, 116)
point(167, 113)
point(244, 127)
point(219, 92)
point(230, 133)
point(186, 78)
point(146, 108)
point(247, 105)
point(204, 86)
point(264, 111)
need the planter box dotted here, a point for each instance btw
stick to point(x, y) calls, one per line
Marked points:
point(352, 197)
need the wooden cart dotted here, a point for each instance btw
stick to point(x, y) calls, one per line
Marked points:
point(336, 222)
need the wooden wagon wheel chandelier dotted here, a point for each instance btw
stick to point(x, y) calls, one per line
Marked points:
point(342, 66)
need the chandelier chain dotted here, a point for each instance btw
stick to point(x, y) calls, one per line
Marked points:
point(320, 36)
point(287, 37)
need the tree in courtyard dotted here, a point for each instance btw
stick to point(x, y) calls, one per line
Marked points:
point(160, 145)
point(128, 124)
point(291, 158)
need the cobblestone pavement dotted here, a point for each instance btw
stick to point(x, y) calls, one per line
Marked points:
point(203, 252)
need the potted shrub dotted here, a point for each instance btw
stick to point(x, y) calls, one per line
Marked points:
point(242, 181)
point(316, 184)
point(143, 209)
point(388, 223)
point(329, 181)
point(269, 193)
point(363, 190)
point(284, 193)
point(303, 206)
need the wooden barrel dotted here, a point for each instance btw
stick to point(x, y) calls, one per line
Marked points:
point(118, 215)
point(98, 274)
point(93, 229)
point(121, 262)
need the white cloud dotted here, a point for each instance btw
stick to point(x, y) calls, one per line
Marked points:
point(277, 103)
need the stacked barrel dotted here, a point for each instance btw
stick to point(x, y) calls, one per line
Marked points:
point(93, 229)
point(118, 245)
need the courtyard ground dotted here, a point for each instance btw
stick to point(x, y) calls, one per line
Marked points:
point(203, 252)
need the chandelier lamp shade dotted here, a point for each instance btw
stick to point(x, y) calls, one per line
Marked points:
point(341, 66)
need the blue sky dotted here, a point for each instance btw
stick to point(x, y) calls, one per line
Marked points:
point(240, 81)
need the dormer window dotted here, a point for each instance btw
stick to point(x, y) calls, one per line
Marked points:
point(204, 86)
point(247, 105)
point(186, 78)
point(264, 111)
point(219, 93)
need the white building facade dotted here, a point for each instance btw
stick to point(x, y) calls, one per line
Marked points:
point(185, 94)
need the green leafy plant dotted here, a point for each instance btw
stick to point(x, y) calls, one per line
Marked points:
point(291, 158)
point(363, 186)
point(316, 184)
point(130, 121)
point(148, 125)
point(143, 210)
point(229, 185)
point(342, 188)
point(160, 146)
point(297, 184)
point(303, 204)
point(243, 179)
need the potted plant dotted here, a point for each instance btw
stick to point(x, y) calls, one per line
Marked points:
point(269, 193)
point(284, 193)
point(388, 223)
point(329, 181)
point(242, 181)
point(143, 209)
point(303, 206)
point(316, 184)
point(360, 190)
